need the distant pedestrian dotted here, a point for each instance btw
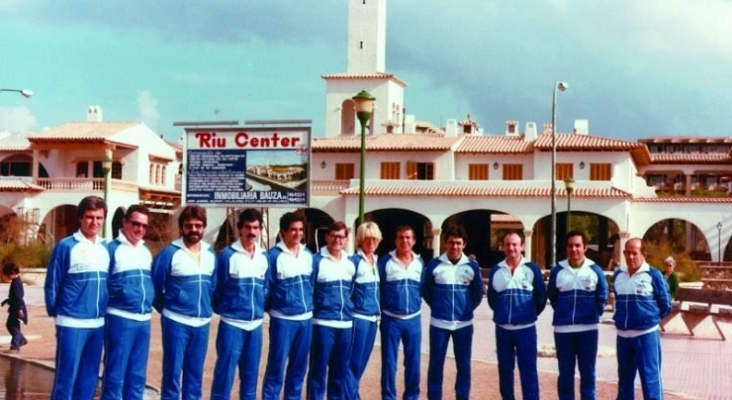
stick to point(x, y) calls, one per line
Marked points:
point(17, 311)
point(517, 296)
point(642, 301)
point(366, 304)
point(672, 278)
point(578, 292)
point(453, 288)
point(76, 297)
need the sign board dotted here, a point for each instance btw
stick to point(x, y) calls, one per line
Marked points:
point(247, 166)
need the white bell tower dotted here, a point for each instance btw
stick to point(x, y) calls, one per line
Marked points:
point(365, 70)
point(366, 36)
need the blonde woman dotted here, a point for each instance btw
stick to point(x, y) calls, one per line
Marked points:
point(365, 303)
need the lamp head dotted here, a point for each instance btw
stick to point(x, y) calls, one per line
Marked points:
point(562, 86)
point(364, 102)
point(569, 183)
point(26, 93)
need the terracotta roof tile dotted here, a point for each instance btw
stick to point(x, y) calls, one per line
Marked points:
point(81, 131)
point(686, 139)
point(571, 141)
point(373, 75)
point(386, 142)
point(453, 191)
point(15, 142)
point(677, 199)
point(10, 184)
point(494, 144)
point(687, 158)
point(328, 187)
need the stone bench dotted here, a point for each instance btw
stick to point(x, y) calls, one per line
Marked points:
point(704, 303)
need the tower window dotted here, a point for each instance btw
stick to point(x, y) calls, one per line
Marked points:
point(360, 44)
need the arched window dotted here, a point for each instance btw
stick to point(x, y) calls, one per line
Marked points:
point(348, 117)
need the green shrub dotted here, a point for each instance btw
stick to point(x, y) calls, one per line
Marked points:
point(685, 266)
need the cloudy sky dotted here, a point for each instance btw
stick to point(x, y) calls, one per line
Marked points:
point(635, 68)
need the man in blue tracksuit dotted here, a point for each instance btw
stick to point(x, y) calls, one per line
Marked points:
point(76, 297)
point(184, 275)
point(400, 274)
point(239, 299)
point(366, 306)
point(453, 288)
point(290, 282)
point(642, 299)
point(127, 328)
point(332, 317)
point(578, 292)
point(517, 296)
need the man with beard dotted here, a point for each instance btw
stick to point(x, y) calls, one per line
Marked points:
point(76, 297)
point(127, 329)
point(290, 280)
point(239, 300)
point(517, 296)
point(453, 288)
point(577, 291)
point(184, 275)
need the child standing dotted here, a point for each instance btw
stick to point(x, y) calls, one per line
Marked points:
point(16, 311)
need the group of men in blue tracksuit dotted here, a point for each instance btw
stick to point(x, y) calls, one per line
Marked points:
point(324, 311)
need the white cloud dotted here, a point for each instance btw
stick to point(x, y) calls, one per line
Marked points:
point(17, 119)
point(148, 107)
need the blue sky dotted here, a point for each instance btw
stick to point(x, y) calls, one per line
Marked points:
point(635, 68)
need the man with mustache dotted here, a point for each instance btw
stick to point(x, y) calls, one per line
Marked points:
point(239, 300)
point(184, 275)
point(76, 297)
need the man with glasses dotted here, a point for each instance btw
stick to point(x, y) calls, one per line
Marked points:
point(127, 328)
point(332, 317)
point(184, 276)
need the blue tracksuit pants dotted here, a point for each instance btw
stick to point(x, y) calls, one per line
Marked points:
point(329, 363)
point(409, 332)
point(184, 351)
point(236, 347)
point(78, 352)
point(289, 344)
point(126, 345)
point(362, 343)
point(642, 354)
point(512, 346)
point(576, 348)
point(462, 344)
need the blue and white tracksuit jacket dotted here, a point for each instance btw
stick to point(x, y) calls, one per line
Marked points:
point(366, 293)
point(401, 289)
point(641, 300)
point(333, 288)
point(184, 286)
point(131, 290)
point(290, 280)
point(452, 291)
point(516, 299)
point(241, 291)
point(76, 282)
point(578, 296)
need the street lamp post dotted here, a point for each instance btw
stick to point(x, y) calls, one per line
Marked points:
point(562, 86)
point(25, 92)
point(569, 185)
point(106, 169)
point(719, 242)
point(364, 104)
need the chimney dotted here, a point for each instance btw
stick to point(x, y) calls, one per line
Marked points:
point(511, 128)
point(451, 127)
point(582, 127)
point(94, 114)
point(530, 133)
point(410, 125)
point(547, 129)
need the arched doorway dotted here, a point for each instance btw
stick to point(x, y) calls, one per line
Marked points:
point(598, 229)
point(484, 228)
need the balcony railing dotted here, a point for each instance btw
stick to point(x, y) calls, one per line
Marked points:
point(71, 184)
